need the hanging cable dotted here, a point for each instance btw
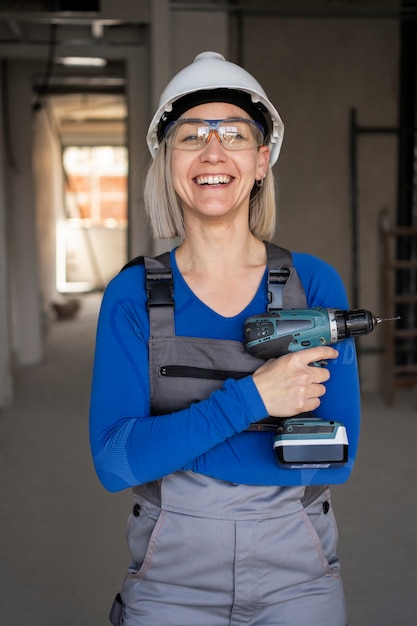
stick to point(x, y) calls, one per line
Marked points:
point(4, 91)
point(48, 70)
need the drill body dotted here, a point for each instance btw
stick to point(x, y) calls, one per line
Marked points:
point(279, 332)
point(306, 441)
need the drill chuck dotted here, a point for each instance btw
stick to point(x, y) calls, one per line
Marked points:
point(345, 324)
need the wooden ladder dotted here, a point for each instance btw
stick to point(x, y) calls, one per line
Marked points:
point(399, 289)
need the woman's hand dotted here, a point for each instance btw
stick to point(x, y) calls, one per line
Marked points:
point(289, 385)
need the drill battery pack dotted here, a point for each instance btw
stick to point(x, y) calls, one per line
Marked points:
point(310, 443)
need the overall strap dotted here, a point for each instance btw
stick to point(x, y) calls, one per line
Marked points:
point(160, 294)
point(285, 290)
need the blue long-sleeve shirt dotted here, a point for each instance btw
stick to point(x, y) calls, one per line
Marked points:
point(130, 446)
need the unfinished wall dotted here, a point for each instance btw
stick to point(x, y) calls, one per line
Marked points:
point(196, 31)
point(24, 294)
point(315, 71)
point(6, 382)
point(48, 175)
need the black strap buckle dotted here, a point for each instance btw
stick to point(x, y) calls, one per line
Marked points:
point(159, 288)
point(277, 279)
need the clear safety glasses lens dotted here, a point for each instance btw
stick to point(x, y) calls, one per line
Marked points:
point(234, 133)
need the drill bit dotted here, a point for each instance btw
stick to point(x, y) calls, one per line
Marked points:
point(387, 319)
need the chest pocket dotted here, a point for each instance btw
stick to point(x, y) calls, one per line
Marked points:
point(184, 370)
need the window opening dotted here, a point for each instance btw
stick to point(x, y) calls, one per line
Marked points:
point(92, 238)
point(96, 184)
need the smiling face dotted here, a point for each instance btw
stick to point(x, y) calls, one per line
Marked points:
point(214, 183)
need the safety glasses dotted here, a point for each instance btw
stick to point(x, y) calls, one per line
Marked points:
point(235, 133)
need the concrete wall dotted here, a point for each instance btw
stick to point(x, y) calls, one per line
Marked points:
point(24, 295)
point(6, 380)
point(48, 179)
point(315, 71)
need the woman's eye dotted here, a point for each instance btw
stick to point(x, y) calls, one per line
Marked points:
point(187, 137)
point(190, 138)
point(188, 134)
point(232, 137)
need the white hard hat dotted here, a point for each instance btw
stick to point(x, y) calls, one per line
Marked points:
point(210, 71)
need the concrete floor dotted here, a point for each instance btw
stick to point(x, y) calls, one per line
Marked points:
point(62, 548)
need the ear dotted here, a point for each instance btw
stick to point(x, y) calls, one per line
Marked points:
point(263, 161)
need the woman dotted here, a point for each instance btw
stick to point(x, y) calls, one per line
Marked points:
point(220, 534)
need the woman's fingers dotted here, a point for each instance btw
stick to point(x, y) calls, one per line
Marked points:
point(290, 384)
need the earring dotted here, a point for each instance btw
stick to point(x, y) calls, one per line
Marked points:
point(259, 183)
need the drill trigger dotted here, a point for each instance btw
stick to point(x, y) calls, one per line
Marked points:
point(321, 363)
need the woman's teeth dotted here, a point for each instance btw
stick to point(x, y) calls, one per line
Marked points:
point(212, 180)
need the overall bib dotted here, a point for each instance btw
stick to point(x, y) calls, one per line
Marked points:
point(207, 552)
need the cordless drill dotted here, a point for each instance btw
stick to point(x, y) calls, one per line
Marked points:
point(307, 441)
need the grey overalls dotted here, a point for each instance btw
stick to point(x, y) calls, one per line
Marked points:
point(207, 552)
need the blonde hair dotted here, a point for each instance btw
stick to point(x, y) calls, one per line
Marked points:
point(164, 209)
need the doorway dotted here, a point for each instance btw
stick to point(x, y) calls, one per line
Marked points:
point(83, 220)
